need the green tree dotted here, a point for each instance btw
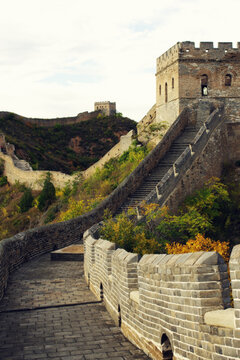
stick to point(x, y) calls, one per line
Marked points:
point(3, 180)
point(47, 195)
point(26, 200)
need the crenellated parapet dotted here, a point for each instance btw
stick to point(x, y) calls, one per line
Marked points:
point(168, 303)
point(187, 50)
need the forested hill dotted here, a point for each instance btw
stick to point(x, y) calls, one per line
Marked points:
point(64, 148)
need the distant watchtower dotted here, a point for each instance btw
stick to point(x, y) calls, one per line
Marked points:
point(106, 107)
point(186, 73)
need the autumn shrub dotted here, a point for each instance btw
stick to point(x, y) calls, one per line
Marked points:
point(78, 207)
point(87, 194)
point(158, 231)
point(135, 236)
point(200, 243)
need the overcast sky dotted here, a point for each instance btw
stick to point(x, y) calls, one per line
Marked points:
point(59, 56)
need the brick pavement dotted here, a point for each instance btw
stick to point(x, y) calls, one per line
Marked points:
point(49, 313)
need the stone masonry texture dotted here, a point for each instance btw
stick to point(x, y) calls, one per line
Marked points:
point(184, 69)
point(160, 300)
point(25, 246)
point(49, 313)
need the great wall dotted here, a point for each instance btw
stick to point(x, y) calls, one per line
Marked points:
point(171, 306)
point(20, 170)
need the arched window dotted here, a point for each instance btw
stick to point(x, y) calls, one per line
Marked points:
point(204, 84)
point(172, 83)
point(166, 93)
point(228, 80)
point(160, 90)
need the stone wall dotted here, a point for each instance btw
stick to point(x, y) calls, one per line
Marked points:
point(84, 116)
point(180, 72)
point(167, 94)
point(161, 301)
point(123, 145)
point(20, 170)
point(200, 160)
point(24, 246)
point(213, 150)
point(32, 178)
point(105, 107)
point(149, 130)
point(216, 143)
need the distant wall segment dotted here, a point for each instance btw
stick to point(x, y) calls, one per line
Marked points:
point(84, 116)
point(25, 246)
point(123, 145)
point(32, 178)
point(14, 169)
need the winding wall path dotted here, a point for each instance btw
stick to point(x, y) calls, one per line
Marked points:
point(49, 313)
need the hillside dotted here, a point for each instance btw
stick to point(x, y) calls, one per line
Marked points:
point(64, 148)
point(71, 201)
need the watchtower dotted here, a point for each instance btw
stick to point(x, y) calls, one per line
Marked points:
point(106, 107)
point(186, 73)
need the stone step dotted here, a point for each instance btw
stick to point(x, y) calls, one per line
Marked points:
point(69, 253)
point(149, 184)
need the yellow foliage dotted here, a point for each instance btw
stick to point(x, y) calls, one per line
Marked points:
point(3, 232)
point(59, 193)
point(77, 208)
point(35, 203)
point(200, 243)
point(4, 212)
point(146, 246)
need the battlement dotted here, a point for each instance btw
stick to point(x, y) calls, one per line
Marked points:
point(104, 103)
point(159, 299)
point(206, 51)
point(106, 107)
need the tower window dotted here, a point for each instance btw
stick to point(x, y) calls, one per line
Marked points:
point(228, 80)
point(160, 90)
point(166, 93)
point(204, 85)
point(172, 83)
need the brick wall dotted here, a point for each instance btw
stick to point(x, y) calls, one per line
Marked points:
point(165, 297)
point(59, 179)
point(24, 246)
point(61, 121)
point(179, 74)
point(32, 178)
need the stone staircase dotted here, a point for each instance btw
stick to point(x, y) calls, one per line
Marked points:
point(181, 145)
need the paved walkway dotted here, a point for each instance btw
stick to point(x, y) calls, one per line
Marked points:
point(49, 313)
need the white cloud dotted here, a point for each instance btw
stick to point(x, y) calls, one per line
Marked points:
point(59, 56)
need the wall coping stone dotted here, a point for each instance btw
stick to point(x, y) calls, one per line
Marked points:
point(235, 255)
point(223, 318)
point(134, 296)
